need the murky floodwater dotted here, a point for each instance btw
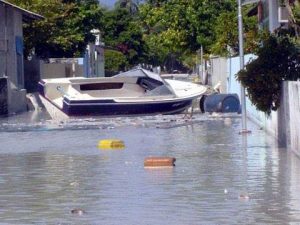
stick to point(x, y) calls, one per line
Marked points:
point(48, 168)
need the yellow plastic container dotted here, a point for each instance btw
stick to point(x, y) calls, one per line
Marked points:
point(111, 144)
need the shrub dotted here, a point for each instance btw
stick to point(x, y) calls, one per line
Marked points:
point(278, 60)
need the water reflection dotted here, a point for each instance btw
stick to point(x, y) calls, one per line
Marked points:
point(45, 175)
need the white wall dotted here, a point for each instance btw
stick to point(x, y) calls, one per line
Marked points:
point(293, 115)
point(284, 124)
point(268, 123)
point(218, 73)
point(57, 70)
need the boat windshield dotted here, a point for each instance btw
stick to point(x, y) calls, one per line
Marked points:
point(160, 90)
point(158, 87)
point(140, 73)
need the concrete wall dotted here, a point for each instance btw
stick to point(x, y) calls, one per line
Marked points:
point(218, 73)
point(292, 89)
point(36, 69)
point(14, 29)
point(11, 63)
point(284, 123)
point(56, 70)
point(223, 70)
point(269, 123)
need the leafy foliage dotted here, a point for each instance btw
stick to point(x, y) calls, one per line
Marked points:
point(296, 12)
point(278, 60)
point(66, 29)
point(121, 32)
point(226, 31)
point(158, 32)
point(164, 29)
point(114, 61)
point(174, 28)
point(202, 15)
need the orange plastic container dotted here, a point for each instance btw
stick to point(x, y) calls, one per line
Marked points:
point(159, 162)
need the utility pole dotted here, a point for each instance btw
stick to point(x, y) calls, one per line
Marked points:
point(201, 58)
point(241, 52)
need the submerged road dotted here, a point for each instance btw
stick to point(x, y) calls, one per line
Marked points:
point(50, 169)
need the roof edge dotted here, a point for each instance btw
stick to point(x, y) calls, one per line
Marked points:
point(26, 13)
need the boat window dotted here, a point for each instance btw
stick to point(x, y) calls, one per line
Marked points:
point(161, 90)
point(100, 86)
point(148, 84)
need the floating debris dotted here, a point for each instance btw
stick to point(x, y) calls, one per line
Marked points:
point(228, 121)
point(159, 162)
point(244, 197)
point(111, 144)
point(74, 183)
point(78, 211)
point(245, 132)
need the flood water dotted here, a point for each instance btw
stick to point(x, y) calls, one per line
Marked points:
point(48, 168)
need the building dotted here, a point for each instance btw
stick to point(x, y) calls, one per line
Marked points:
point(12, 92)
point(271, 14)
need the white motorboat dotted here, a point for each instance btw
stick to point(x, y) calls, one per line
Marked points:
point(133, 92)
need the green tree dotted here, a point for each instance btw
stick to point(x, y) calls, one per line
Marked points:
point(66, 29)
point(179, 27)
point(202, 16)
point(164, 26)
point(122, 32)
point(226, 33)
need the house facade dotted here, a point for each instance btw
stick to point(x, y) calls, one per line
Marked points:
point(274, 14)
point(12, 92)
point(271, 14)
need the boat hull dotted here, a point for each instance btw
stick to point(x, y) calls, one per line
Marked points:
point(105, 108)
point(135, 92)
